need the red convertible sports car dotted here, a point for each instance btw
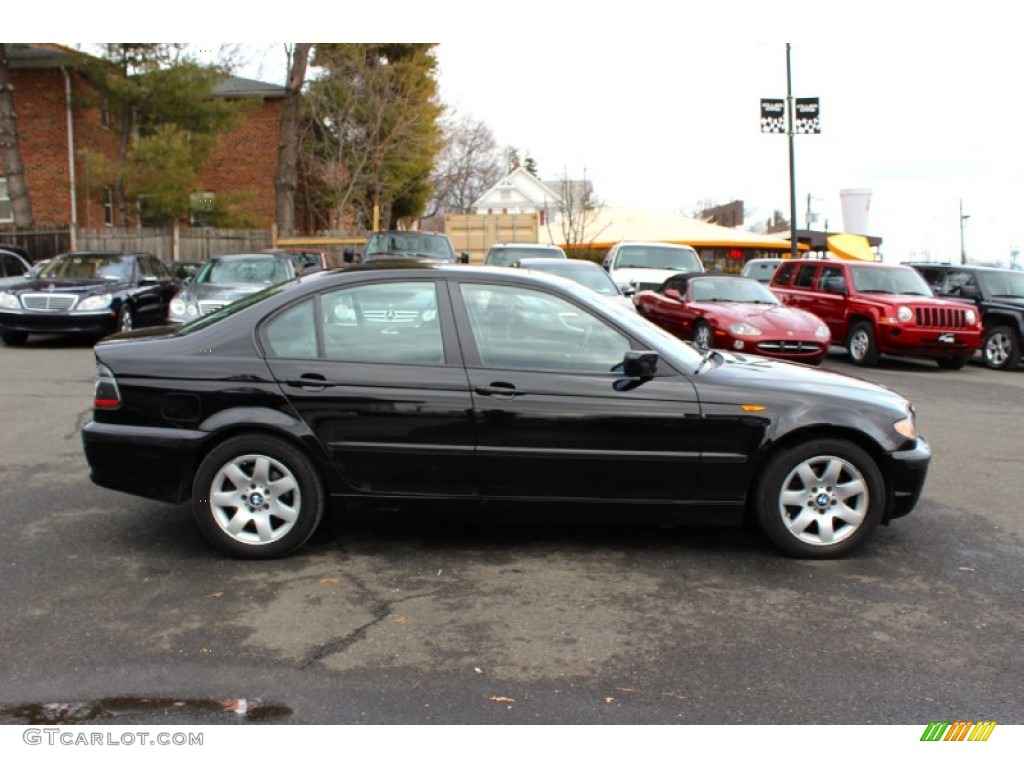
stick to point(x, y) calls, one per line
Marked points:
point(734, 313)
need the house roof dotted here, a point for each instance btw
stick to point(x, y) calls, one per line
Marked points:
point(39, 55)
point(607, 226)
point(528, 185)
point(242, 86)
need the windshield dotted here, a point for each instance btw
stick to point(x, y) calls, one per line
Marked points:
point(739, 289)
point(595, 279)
point(245, 272)
point(896, 280)
point(677, 258)
point(89, 266)
point(410, 244)
point(1004, 284)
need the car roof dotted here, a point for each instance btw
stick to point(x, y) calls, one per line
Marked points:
point(532, 261)
point(252, 256)
point(548, 246)
point(685, 278)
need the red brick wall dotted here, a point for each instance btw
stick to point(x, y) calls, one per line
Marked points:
point(245, 161)
point(39, 101)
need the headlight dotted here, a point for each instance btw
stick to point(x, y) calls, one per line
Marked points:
point(906, 427)
point(822, 332)
point(744, 329)
point(94, 302)
point(8, 301)
point(971, 317)
point(180, 309)
point(905, 314)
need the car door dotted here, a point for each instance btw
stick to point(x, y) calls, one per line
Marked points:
point(375, 372)
point(671, 313)
point(553, 419)
point(150, 309)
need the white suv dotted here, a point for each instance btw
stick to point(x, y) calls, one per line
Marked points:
point(636, 266)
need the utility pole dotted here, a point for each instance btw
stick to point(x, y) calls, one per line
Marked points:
point(963, 219)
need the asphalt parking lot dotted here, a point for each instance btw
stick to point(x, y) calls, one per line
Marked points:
point(115, 610)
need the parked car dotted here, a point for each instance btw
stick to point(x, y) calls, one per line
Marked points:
point(473, 385)
point(873, 308)
point(184, 270)
point(999, 296)
point(228, 278)
point(636, 266)
point(584, 273)
point(13, 267)
point(505, 254)
point(714, 309)
point(306, 259)
point(88, 293)
point(408, 244)
point(761, 269)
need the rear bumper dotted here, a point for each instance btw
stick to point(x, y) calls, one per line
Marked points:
point(152, 462)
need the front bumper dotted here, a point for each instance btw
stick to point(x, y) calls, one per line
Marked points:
point(98, 323)
point(928, 342)
point(906, 473)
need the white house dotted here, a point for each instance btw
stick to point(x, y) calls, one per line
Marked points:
point(520, 192)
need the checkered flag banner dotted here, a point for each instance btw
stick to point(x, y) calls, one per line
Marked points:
point(807, 116)
point(773, 116)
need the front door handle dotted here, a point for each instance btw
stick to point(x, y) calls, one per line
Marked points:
point(312, 381)
point(499, 389)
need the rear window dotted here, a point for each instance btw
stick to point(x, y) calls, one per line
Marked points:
point(784, 274)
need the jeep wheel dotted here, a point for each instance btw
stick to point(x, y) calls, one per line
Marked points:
point(1001, 349)
point(862, 346)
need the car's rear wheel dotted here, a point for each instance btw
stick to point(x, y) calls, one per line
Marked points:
point(820, 499)
point(257, 497)
point(703, 338)
point(1001, 349)
point(862, 346)
point(14, 338)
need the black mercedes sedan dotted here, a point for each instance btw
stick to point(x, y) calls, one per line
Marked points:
point(402, 383)
point(87, 293)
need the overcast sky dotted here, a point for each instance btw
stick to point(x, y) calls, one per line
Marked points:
point(659, 104)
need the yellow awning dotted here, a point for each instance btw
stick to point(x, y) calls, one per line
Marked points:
point(852, 247)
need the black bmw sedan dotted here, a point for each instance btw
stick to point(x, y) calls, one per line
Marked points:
point(87, 294)
point(404, 383)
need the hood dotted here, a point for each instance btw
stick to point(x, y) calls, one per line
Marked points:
point(78, 287)
point(768, 318)
point(219, 291)
point(638, 275)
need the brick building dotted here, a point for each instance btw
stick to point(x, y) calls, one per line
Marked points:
point(60, 114)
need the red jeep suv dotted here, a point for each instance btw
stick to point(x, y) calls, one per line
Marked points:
point(874, 309)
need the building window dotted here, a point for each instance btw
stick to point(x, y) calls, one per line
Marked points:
point(204, 209)
point(6, 212)
point(108, 206)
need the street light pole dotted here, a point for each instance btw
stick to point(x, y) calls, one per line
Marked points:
point(963, 219)
point(792, 165)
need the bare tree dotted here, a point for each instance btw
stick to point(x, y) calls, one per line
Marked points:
point(288, 148)
point(14, 169)
point(470, 163)
point(578, 208)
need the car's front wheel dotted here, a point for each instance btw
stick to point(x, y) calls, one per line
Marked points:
point(820, 499)
point(1001, 349)
point(257, 497)
point(862, 346)
point(125, 319)
point(703, 338)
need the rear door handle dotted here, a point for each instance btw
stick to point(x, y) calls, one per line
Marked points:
point(312, 381)
point(499, 389)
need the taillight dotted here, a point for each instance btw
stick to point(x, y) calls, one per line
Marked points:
point(107, 394)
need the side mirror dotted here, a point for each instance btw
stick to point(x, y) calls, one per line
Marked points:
point(672, 293)
point(350, 256)
point(629, 290)
point(464, 258)
point(640, 364)
point(970, 291)
point(188, 280)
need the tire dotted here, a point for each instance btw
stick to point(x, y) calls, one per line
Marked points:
point(257, 497)
point(125, 319)
point(820, 499)
point(703, 338)
point(1001, 348)
point(953, 363)
point(14, 338)
point(861, 345)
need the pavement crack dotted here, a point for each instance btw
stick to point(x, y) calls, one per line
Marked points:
point(80, 421)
